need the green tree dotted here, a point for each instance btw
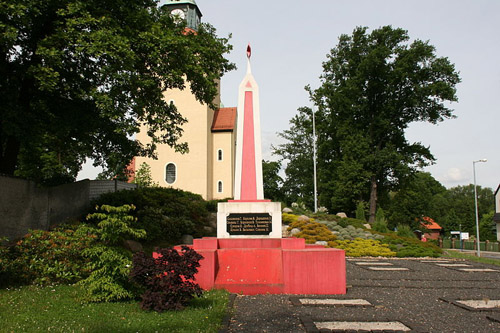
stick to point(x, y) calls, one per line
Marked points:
point(372, 87)
point(414, 200)
point(78, 78)
point(454, 209)
point(298, 185)
point(143, 177)
point(360, 211)
point(272, 180)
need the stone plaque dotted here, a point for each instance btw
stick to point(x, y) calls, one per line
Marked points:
point(249, 224)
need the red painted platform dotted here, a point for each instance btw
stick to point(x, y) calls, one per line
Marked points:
point(266, 265)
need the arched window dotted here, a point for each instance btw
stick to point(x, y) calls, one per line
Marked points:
point(219, 155)
point(170, 173)
point(219, 186)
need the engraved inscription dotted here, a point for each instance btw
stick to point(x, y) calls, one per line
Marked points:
point(249, 224)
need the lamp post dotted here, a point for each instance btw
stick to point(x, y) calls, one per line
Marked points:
point(314, 161)
point(475, 205)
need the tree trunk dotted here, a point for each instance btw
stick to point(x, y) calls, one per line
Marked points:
point(373, 199)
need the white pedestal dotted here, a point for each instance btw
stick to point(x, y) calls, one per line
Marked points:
point(249, 219)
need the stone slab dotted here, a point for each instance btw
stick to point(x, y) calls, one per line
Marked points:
point(362, 326)
point(363, 263)
point(331, 301)
point(388, 268)
point(481, 304)
point(478, 270)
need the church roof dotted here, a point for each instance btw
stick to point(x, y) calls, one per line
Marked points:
point(224, 120)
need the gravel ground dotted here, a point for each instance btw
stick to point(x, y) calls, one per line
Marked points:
point(421, 298)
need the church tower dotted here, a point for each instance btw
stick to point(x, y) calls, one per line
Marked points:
point(185, 10)
point(208, 168)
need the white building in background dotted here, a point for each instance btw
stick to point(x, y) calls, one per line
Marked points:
point(496, 217)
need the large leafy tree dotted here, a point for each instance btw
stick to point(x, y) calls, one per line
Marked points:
point(297, 151)
point(416, 198)
point(454, 209)
point(272, 180)
point(372, 87)
point(78, 78)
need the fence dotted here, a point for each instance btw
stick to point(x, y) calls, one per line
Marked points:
point(470, 245)
point(24, 205)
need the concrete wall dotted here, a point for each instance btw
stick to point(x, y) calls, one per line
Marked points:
point(24, 205)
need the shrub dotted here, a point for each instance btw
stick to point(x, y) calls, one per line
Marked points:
point(312, 231)
point(360, 212)
point(287, 218)
point(411, 247)
point(364, 248)
point(114, 224)
point(109, 263)
point(167, 280)
point(47, 257)
point(404, 230)
point(380, 224)
point(165, 213)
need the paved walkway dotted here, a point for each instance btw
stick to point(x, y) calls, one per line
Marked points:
point(418, 295)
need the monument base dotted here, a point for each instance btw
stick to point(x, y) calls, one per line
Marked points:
point(249, 219)
point(253, 266)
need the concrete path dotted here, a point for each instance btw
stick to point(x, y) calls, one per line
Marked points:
point(423, 295)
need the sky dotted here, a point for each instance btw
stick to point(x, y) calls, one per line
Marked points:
point(291, 39)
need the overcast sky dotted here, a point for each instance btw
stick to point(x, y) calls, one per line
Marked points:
point(290, 40)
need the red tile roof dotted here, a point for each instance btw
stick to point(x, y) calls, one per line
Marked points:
point(224, 120)
point(429, 223)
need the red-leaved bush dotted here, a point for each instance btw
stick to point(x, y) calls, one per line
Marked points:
point(167, 279)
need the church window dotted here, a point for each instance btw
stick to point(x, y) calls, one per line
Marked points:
point(219, 186)
point(170, 173)
point(219, 155)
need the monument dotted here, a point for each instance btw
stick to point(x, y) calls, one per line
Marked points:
point(249, 215)
point(249, 255)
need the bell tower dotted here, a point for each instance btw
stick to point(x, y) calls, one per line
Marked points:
point(185, 10)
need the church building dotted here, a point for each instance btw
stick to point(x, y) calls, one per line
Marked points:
point(208, 168)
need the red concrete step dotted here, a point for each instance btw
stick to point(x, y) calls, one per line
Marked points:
point(249, 269)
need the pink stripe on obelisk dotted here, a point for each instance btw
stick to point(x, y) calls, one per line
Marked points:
point(248, 173)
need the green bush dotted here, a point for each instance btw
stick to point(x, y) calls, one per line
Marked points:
point(380, 223)
point(48, 257)
point(360, 212)
point(411, 247)
point(109, 263)
point(165, 213)
point(312, 231)
point(364, 248)
point(404, 230)
point(287, 218)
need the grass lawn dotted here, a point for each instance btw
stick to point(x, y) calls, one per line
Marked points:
point(57, 309)
point(462, 255)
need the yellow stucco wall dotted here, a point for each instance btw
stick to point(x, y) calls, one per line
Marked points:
point(223, 170)
point(197, 171)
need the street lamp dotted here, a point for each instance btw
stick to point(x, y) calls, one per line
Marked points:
point(475, 205)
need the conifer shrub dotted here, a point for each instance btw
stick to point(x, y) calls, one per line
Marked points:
point(410, 247)
point(167, 281)
point(287, 218)
point(312, 231)
point(364, 248)
point(404, 230)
